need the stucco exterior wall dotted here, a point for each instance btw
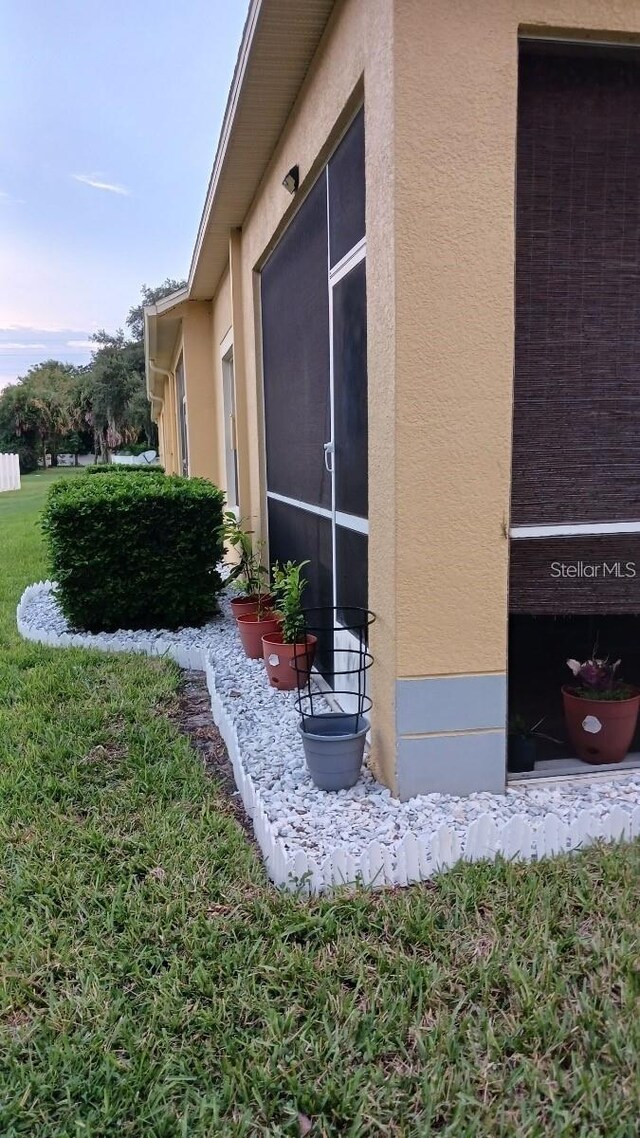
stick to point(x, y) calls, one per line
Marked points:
point(168, 428)
point(439, 80)
point(220, 327)
point(199, 388)
point(379, 111)
point(456, 70)
point(455, 85)
point(455, 121)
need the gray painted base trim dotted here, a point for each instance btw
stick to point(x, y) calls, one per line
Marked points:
point(434, 704)
point(452, 764)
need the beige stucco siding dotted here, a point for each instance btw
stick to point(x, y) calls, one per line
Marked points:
point(381, 363)
point(168, 428)
point(455, 86)
point(199, 388)
point(221, 325)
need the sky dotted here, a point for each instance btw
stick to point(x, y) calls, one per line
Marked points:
point(109, 120)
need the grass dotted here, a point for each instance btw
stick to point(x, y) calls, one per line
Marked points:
point(153, 984)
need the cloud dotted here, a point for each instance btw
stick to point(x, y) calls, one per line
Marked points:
point(22, 346)
point(39, 330)
point(16, 347)
point(96, 183)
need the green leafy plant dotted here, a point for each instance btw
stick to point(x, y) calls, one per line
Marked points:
point(518, 725)
point(288, 585)
point(247, 574)
point(597, 679)
point(135, 552)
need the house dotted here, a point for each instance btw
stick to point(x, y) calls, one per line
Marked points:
point(414, 368)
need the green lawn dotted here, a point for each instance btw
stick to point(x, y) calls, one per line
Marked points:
point(153, 984)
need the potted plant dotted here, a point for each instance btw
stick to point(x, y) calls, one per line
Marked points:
point(288, 652)
point(252, 626)
point(601, 711)
point(247, 574)
point(521, 744)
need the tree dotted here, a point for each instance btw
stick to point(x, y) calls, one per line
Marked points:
point(116, 386)
point(56, 404)
point(115, 378)
point(41, 408)
point(18, 426)
point(135, 319)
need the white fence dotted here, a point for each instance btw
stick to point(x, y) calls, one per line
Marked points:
point(9, 472)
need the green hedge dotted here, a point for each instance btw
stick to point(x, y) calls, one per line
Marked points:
point(135, 552)
point(115, 468)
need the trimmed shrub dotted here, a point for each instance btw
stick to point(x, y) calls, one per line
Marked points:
point(115, 468)
point(135, 552)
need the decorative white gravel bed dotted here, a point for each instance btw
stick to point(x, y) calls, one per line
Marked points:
point(319, 839)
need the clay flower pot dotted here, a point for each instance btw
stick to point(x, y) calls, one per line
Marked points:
point(600, 730)
point(252, 630)
point(288, 665)
point(241, 605)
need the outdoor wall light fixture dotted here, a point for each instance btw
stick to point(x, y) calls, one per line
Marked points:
point(291, 180)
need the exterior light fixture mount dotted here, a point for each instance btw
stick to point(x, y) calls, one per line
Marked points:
point(291, 180)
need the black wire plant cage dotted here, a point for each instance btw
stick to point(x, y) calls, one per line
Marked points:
point(333, 722)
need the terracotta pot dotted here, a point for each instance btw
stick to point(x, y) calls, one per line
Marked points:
point(252, 630)
point(249, 604)
point(600, 730)
point(288, 665)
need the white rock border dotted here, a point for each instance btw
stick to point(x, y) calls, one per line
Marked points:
point(476, 828)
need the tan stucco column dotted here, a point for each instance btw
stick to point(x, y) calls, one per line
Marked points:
point(246, 387)
point(440, 135)
point(171, 426)
point(455, 129)
point(381, 354)
point(199, 389)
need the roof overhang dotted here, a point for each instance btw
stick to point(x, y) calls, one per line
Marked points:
point(161, 327)
point(279, 41)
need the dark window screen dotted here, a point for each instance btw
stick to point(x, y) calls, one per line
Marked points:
point(298, 535)
point(350, 390)
point(576, 442)
point(347, 191)
point(538, 586)
point(295, 338)
point(351, 568)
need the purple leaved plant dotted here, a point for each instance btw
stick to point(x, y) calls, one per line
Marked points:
point(597, 679)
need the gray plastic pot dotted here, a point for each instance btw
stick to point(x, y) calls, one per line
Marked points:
point(334, 749)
